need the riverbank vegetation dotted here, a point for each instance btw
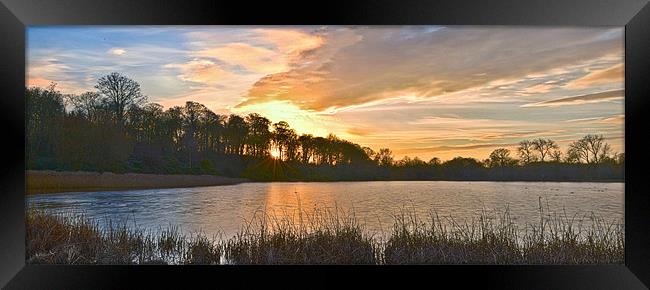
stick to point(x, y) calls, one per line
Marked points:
point(333, 237)
point(48, 181)
point(115, 129)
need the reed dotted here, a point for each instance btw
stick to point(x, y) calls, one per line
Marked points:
point(333, 236)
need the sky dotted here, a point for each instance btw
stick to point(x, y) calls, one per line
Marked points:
point(426, 91)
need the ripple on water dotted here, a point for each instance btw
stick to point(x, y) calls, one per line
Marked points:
point(225, 207)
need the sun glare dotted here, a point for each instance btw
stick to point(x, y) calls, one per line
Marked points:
point(300, 120)
point(275, 153)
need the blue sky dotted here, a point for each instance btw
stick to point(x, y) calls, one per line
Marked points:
point(421, 90)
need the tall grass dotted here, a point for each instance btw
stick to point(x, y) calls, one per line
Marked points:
point(68, 239)
point(319, 237)
point(325, 236)
point(496, 239)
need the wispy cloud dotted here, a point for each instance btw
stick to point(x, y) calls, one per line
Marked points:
point(364, 65)
point(612, 75)
point(580, 100)
point(614, 119)
point(423, 90)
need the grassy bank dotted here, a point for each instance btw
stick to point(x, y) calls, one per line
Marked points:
point(62, 181)
point(331, 237)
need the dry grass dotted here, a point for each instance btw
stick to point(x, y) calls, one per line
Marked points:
point(495, 239)
point(66, 239)
point(333, 237)
point(319, 237)
point(47, 181)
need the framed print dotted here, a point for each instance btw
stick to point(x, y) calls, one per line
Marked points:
point(371, 139)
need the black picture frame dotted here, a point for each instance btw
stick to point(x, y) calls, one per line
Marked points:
point(15, 15)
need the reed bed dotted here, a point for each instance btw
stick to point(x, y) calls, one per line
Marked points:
point(320, 237)
point(47, 181)
point(325, 236)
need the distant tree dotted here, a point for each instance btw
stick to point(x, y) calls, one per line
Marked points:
point(407, 161)
point(80, 132)
point(87, 104)
point(500, 157)
point(556, 155)
point(236, 133)
point(435, 161)
point(44, 117)
point(620, 158)
point(307, 147)
point(589, 149)
point(259, 136)
point(173, 126)
point(384, 157)
point(120, 92)
point(526, 151)
point(545, 147)
point(211, 131)
point(282, 134)
point(369, 152)
point(292, 145)
point(463, 162)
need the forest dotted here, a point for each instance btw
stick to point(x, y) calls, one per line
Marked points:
point(115, 129)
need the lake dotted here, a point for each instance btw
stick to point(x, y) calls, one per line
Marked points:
point(224, 209)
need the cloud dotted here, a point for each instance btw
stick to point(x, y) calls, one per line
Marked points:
point(464, 147)
point(360, 65)
point(201, 71)
point(611, 75)
point(117, 51)
point(579, 100)
point(291, 42)
point(252, 58)
point(613, 119)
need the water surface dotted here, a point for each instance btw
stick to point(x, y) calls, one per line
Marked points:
point(224, 209)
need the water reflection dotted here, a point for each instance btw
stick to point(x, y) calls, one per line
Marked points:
point(223, 209)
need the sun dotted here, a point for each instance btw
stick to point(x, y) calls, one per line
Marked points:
point(275, 153)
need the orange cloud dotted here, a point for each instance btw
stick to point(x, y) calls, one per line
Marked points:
point(359, 65)
point(292, 42)
point(612, 75)
point(38, 82)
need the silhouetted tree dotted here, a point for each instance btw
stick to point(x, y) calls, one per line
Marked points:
point(435, 161)
point(259, 136)
point(500, 158)
point(193, 139)
point(556, 155)
point(526, 153)
point(589, 149)
point(384, 157)
point(545, 147)
point(120, 92)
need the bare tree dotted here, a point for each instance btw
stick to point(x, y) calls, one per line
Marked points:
point(544, 147)
point(87, 104)
point(590, 149)
point(526, 153)
point(121, 93)
point(556, 155)
point(500, 157)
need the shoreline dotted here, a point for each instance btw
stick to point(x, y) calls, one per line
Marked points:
point(49, 181)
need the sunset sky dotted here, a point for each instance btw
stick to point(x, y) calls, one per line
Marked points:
point(420, 90)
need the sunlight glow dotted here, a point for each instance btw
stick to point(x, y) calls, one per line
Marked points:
point(275, 153)
point(302, 121)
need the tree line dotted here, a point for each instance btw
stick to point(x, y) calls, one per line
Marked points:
point(115, 128)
